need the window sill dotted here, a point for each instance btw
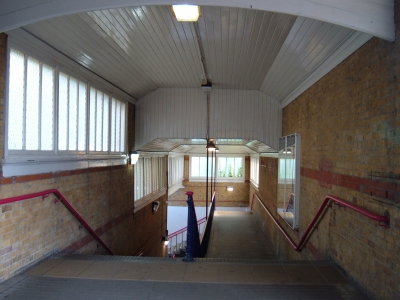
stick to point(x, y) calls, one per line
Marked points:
point(239, 180)
point(19, 166)
point(143, 202)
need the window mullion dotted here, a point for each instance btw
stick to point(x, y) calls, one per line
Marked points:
point(77, 114)
point(68, 103)
point(40, 105)
point(56, 108)
point(95, 119)
point(25, 101)
point(109, 123)
point(87, 118)
point(102, 122)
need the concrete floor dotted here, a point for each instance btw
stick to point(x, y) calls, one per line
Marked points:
point(237, 235)
point(255, 276)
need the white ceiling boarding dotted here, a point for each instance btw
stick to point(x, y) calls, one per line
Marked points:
point(375, 17)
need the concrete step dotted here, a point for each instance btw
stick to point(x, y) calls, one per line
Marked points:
point(65, 276)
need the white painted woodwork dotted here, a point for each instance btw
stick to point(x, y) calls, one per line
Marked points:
point(258, 61)
point(240, 45)
point(144, 48)
point(308, 46)
point(373, 17)
point(182, 114)
point(170, 113)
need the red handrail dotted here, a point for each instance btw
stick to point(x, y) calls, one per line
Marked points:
point(45, 194)
point(201, 221)
point(383, 220)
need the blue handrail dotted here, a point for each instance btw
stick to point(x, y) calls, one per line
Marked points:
point(196, 246)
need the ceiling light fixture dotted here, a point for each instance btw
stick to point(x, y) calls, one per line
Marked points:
point(134, 156)
point(211, 146)
point(186, 12)
point(287, 151)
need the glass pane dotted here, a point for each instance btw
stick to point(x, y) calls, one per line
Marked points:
point(92, 128)
point(122, 147)
point(105, 122)
point(99, 120)
point(222, 167)
point(47, 115)
point(62, 111)
point(32, 104)
point(238, 167)
point(195, 166)
point(203, 166)
point(118, 128)
point(82, 117)
point(73, 114)
point(113, 112)
point(16, 101)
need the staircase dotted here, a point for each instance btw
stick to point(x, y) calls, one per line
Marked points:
point(237, 235)
point(240, 264)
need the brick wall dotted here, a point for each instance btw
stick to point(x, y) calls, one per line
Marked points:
point(36, 228)
point(148, 238)
point(350, 127)
point(238, 197)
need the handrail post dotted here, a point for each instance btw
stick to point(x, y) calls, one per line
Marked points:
point(191, 244)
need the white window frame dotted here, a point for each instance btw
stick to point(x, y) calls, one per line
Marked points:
point(254, 170)
point(219, 179)
point(176, 165)
point(149, 179)
point(26, 162)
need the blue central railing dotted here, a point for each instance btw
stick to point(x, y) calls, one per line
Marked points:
point(196, 243)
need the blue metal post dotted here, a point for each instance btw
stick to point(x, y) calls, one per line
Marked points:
point(190, 240)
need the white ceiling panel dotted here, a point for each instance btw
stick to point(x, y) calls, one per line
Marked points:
point(141, 49)
point(309, 44)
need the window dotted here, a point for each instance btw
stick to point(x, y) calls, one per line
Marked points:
point(117, 125)
point(99, 103)
point(71, 113)
point(149, 177)
point(198, 166)
point(175, 170)
point(52, 112)
point(254, 170)
point(228, 168)
point(30, 113)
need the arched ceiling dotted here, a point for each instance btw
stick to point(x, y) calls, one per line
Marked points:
point(141, 49)
point(279, 47)
point(374, 17)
